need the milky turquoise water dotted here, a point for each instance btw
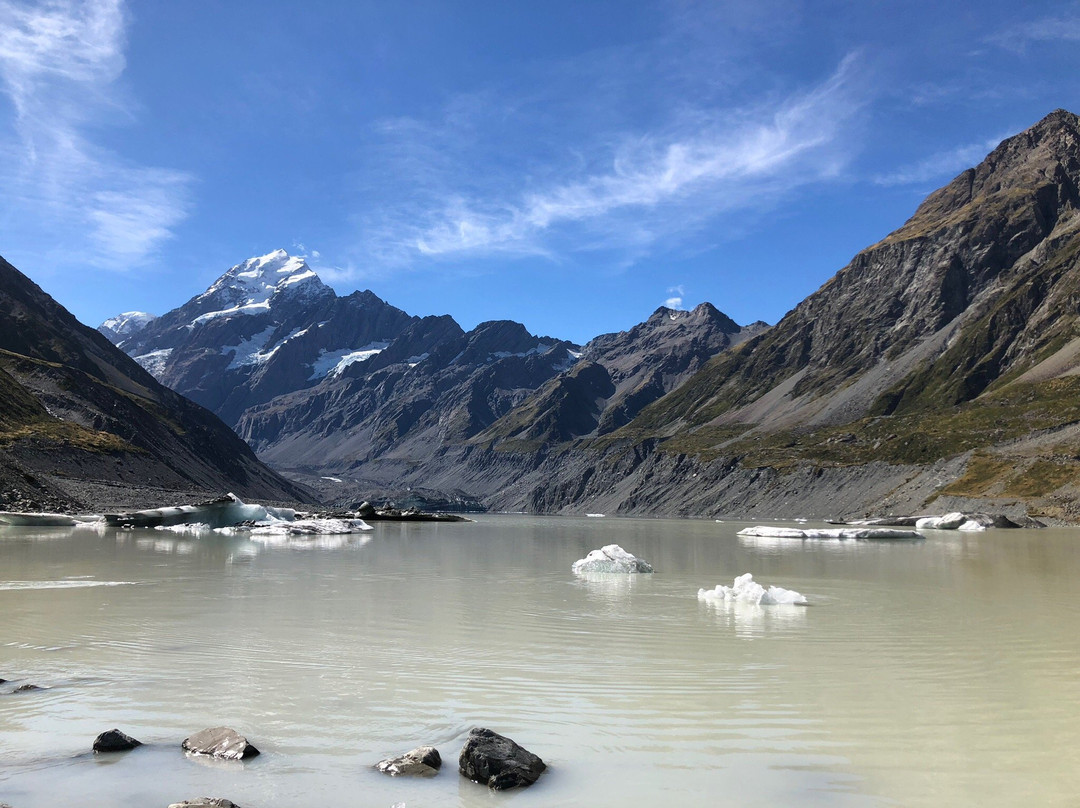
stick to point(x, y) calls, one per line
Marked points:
point(944, 672)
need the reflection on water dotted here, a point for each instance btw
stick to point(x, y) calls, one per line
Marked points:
point(923, 674)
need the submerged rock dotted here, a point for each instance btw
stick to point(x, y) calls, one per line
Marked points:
point(114, 740)
point(205, 802)
point(25, 688)
point(220, 742)
point(746, 590)
point(497, 761)
point(423, 761)
point(611, 558)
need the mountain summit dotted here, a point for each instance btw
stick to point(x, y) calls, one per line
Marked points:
point(265, 327)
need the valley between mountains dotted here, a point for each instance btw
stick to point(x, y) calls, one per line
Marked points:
point(940, 368)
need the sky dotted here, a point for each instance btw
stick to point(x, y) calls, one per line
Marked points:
point(570, 165)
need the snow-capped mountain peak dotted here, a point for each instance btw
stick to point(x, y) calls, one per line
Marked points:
point(256, 280)
point(126, 324)
point(250, 286)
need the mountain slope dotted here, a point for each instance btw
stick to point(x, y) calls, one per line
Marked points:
point(930, 316)
point(74, 408)
point(941, 367)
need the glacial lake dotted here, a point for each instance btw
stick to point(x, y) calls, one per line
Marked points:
point(934, 673)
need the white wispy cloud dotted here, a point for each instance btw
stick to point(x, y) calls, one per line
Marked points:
point(59, 61)
point(941, 166)
point(626, 191)
point(677, 294)
point(1017, 38)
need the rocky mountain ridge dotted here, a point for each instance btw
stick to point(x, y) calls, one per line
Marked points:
point(941, 365)
point(940, 368)
point(256, 351)
point(77, 415)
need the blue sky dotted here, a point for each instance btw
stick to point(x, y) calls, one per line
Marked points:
point(571, 165)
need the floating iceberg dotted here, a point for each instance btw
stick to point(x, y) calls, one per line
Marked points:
point(829, 533)
point(221, 512)
point(746, 590)
point(36, 519)
point(950, 521)
point(611, 558)
point(309, 527)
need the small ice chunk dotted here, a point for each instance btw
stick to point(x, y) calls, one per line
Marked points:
point(746, 590)
point(973, 525)
point(611, 558)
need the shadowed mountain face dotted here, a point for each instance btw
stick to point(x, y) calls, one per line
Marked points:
point(619, 375)
point(73, 407)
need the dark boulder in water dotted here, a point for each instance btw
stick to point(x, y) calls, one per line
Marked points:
point(114, 740)
point(206, 802)
point(497, 761)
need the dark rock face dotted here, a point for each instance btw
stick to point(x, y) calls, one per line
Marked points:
point(114, 740)
point(220, 742)
point(385, 411)
point(497, 761)
point(423, 761)
point(79, 409)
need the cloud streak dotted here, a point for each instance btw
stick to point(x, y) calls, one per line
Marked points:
point(939, 166)
point(1017, 38)
point(59, 61)
point(626, 192)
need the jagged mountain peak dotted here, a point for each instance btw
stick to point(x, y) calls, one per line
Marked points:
point(700, 314)
point(252, 283)
point(1043, 160)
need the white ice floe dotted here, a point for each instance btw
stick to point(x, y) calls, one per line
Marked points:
point(36, 519)
point(746, 590)
point(228, 510)
point(972, 525)
point(950, 521)
point(611, 558)
point(595, 515)
point(190, 528)
point(840, 533)
point(310, 527)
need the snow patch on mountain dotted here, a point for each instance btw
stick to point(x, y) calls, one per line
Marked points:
point(331, 363)
point(250, 350)
point(260, 307)
point(154, 362)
